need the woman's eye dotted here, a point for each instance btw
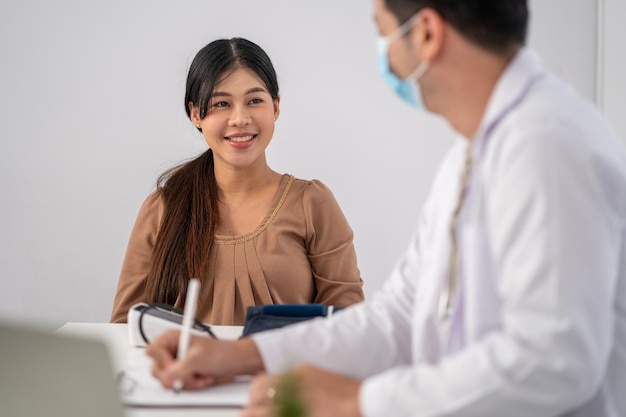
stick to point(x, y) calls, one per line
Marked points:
point(220, 104)
point(256, 101)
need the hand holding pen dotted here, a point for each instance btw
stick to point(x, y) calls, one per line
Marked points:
point(179, 356)
point(204, 362)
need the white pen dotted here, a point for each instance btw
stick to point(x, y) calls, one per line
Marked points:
point(189, 314)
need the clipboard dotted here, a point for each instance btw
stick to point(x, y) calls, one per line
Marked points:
point(138, 388)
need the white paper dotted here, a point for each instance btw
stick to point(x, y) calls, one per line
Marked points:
point(139, 388)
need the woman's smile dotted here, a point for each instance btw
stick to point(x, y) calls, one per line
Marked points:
point(241, 141)
point(240, 138)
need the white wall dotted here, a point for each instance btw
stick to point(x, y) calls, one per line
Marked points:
point(613, 64)
point(91, 105)
point(564, 33)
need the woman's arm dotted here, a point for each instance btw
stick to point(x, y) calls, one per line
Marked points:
point(137, 262)
point(330, 248)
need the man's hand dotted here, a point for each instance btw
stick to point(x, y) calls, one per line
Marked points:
point(319, 393)
point(207, 362)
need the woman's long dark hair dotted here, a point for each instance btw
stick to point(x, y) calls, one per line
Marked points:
point(189, 191)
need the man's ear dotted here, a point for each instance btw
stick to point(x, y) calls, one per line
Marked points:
point(428, 34)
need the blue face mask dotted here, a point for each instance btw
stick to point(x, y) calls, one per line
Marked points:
point(407, 89)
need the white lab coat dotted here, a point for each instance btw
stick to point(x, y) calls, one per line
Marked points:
point(539, 325)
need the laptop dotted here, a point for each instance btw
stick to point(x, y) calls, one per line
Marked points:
point(52, 375)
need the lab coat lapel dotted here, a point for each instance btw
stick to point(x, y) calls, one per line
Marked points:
point(477, 309)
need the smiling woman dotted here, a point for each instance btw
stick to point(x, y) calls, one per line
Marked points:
point(250, 234)
point(241, 124)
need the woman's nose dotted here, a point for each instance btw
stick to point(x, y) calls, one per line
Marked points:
point(239, 116)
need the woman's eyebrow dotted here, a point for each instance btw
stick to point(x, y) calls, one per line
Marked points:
point(250, 91)
point(256, 90)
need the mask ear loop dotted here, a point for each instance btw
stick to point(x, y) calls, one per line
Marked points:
point(402, 30)
point(418, 72)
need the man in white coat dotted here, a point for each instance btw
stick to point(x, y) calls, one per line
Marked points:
point(511, 298)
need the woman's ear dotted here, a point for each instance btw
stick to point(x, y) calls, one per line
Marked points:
point(276, 108)
point(194, 115)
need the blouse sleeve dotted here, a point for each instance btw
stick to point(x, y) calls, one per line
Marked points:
point(137, 262)
point(329, 240)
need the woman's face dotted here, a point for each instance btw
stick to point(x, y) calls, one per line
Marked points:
point(240, 122)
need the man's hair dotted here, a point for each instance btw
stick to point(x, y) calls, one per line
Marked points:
point(496, 25)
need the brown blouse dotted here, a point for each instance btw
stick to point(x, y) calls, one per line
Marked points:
point(301, 253)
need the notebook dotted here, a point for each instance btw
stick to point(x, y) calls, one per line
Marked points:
point(140, 388)
point(52, 375)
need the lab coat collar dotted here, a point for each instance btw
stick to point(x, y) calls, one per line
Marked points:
point(514, 83)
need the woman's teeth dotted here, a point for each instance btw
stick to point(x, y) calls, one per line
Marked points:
point(240, 138)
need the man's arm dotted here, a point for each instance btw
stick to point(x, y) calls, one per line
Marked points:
point(553, 253)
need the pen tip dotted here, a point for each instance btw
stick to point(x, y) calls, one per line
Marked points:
point(178, 386)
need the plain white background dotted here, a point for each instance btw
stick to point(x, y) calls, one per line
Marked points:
point(91, 103)
point(613, 63)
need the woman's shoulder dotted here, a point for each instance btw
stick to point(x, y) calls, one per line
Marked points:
point(313, 187)
point(154, 201)
point(312, 193)
point(152, 208)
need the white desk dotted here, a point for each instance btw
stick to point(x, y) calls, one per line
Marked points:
point(123, 355)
